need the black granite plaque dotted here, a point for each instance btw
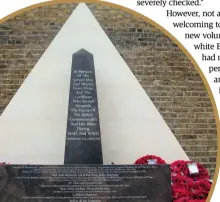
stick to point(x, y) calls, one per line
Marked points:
point(83, 138)
point(86, 183)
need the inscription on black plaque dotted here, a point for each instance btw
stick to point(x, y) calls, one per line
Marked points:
point(83, 138)
point(86, 183)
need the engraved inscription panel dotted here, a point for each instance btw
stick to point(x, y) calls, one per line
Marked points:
point(88, 183)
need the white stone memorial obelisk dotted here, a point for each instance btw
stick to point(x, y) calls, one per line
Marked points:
point(33, 125)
